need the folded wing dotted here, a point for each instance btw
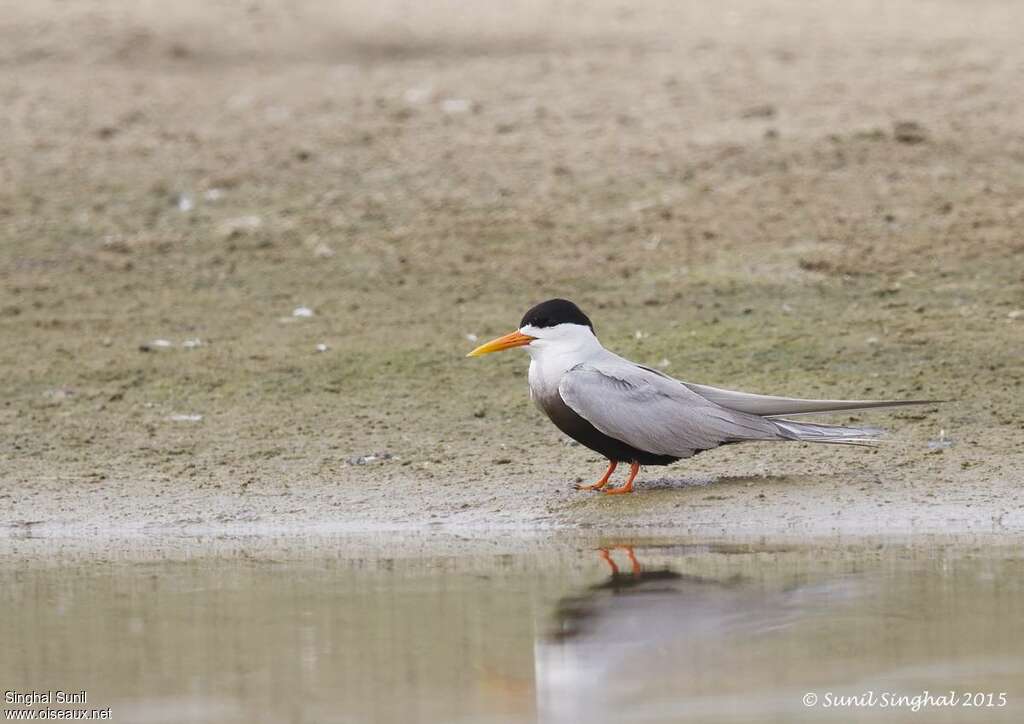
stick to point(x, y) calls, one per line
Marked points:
point(769, 405)
point(655, 413)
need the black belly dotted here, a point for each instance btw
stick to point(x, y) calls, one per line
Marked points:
point(576, 427)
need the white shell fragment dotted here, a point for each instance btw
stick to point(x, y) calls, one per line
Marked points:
point(419, 94)
point(302, 312)
point(941, 443)
point(157, 344)
point(456, 105)
point(370, 458)
point(185, 418)
point(239, 226)
point(322, 347)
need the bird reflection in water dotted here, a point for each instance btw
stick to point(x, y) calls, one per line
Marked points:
point(574, 614)
point(648, 637)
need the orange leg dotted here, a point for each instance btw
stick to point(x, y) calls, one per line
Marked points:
point(633, 562)
point(634, 468)
point(612, 464)
point(607, 558)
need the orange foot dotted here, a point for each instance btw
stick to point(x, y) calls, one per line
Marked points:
point(634, 468)
point(612, 464)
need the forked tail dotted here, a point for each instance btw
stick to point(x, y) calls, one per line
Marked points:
point(834, 434)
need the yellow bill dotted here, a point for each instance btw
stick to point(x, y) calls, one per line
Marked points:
point(510, 340)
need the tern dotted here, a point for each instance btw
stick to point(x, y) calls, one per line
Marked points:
point(634, 414)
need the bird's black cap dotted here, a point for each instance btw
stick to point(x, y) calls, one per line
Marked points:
point(554, 312)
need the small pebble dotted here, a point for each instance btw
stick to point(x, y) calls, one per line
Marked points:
point(765, 110)
point(302, 312)
point(909, 132)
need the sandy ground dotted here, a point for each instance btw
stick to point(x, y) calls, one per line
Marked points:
point(816, 199)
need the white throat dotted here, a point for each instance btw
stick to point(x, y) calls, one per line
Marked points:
point(554, 351)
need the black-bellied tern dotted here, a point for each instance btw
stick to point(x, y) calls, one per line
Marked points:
point(634, 414)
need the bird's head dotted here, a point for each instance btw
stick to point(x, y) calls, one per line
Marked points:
point(556, 324)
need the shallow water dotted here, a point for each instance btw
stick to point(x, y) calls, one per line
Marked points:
point(596, 630)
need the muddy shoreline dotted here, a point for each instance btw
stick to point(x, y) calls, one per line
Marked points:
point(809, 201)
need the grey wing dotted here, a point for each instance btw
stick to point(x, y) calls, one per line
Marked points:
point(655, 413)
point(770, 405)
